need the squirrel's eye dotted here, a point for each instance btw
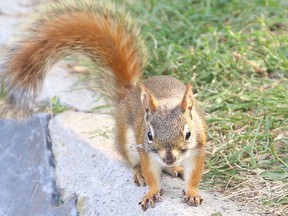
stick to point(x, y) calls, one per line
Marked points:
point(188, 135)
point(150, 137)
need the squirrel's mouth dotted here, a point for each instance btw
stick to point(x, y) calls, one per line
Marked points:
point(169, 163)
point(167, 160)
point(173, 163)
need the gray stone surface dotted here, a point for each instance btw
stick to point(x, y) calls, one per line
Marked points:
point(27, 172)
point(88, 165)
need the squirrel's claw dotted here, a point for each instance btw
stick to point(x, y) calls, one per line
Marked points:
point(150, 198)
point(192, 199)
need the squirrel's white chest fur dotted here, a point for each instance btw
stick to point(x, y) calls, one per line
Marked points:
point(131, 147)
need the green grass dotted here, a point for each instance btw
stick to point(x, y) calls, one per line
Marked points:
point(1, 89)
point(246, 102)
point(55, 106)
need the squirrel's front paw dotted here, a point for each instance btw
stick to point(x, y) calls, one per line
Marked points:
point(192, 197)
point(150, 198)
point(176, 171)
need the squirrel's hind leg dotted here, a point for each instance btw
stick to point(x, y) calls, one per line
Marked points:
point(138, 176)
point(127, 144)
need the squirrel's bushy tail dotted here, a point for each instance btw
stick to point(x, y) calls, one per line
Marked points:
point(99, 30)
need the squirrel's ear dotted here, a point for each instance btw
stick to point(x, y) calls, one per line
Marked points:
point(188, 99)
point(149, 102)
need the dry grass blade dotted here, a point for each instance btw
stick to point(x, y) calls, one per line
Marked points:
point(254, 189)
point(255, 66)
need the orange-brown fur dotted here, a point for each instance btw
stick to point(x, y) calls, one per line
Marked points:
point(160, 108)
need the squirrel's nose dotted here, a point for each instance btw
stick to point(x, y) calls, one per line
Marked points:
point(169, 159)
